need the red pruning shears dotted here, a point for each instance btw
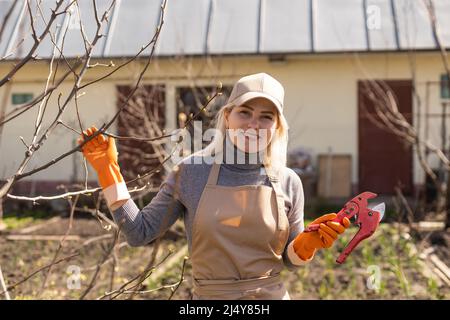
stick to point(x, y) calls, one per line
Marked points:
point(367, 219)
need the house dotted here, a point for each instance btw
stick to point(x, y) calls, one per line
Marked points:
point(322, 51)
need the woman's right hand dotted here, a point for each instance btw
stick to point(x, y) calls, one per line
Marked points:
point(306, 243)
point(101, 153)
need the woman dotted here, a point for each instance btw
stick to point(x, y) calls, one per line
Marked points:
point(243, 211)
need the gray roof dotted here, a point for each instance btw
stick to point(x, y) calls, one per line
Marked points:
point(199, 27)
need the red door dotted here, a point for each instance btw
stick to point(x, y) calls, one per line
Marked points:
point(385, 161)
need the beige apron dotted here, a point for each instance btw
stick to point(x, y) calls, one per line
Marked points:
point(238, 238)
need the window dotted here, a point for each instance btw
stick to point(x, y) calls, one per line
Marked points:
point(21, 98)
point(190, 100)
point(445, 87)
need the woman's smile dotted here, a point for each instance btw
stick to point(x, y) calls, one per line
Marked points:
point(252, 124)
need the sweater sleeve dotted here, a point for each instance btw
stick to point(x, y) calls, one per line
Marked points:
point(296, 222)
point(143, 226)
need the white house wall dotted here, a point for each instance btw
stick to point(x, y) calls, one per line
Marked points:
point(320, 101)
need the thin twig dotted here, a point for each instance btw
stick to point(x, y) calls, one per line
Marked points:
point(143, 276)
point(3, 285)
point(152, 171)
point(61, 242)
point(100, 265)
point(183, 268)
point(39, 270)
point(37, 42)
point(6, 18)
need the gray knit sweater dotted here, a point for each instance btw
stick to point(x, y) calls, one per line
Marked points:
point(142, 226)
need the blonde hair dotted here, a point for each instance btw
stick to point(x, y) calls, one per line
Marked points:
point(276, 151)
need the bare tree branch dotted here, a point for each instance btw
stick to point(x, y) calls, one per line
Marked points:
point(37, 42)
point(6, 18)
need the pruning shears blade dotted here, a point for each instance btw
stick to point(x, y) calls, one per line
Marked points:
point(381, 207)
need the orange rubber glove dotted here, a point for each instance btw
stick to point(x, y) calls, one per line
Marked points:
point(306, 243)
point(101, 153)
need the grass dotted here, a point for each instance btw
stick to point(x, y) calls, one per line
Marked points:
point(387, 258)
point(18, 220)
point(434, 290)
point(390, 251)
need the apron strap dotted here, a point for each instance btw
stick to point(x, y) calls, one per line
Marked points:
point(213, 174)
point(275, 181)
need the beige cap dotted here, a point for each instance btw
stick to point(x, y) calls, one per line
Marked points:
point(259, 85)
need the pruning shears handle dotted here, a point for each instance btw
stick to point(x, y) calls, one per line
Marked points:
point(367, 220)
point(350, 209)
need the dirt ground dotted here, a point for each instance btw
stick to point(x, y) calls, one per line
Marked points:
point(387, 266)
point(441, 242)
